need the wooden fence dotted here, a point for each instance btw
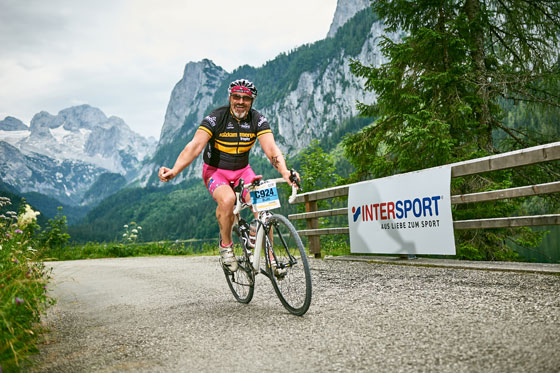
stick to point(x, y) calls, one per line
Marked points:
point(524, 157)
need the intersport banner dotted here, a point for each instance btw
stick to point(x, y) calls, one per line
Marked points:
point(402, 214)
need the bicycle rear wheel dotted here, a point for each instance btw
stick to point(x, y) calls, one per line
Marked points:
point(242, 281)
point(291, 277)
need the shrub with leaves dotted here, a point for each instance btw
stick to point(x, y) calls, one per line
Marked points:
point(23, 286)
point(131, 232)
point(55, 235)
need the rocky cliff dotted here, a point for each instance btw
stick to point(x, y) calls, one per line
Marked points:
point(62, 155)
point(305, 94)
point(346, 9)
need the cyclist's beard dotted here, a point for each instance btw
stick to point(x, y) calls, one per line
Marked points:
point(240, 112)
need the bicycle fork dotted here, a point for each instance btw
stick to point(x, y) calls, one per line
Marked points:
point(260, 244)
point(258, 249)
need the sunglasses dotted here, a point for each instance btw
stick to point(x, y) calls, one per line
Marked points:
point(242, 98)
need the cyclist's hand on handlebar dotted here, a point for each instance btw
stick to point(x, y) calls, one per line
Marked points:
point(165, 174)
point(294, 179)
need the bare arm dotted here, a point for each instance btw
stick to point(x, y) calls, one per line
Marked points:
point(187, 156)
point(275, 156)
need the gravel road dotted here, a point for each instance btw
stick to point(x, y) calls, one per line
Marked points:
point(176, 314)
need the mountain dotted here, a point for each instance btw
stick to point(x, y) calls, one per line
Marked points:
point(65, 180)
point(190, 99)
point(308, 93)
point(63, 155)
point(84, 133)
point(305, 94)
point(12, 124)
point(346, 9)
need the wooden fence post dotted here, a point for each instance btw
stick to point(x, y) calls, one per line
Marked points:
point(313, 223)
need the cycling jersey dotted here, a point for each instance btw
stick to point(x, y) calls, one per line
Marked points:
point(231, 139)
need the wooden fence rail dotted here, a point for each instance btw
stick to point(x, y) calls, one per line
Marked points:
point(518, 158)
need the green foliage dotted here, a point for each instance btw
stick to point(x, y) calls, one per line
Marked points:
point(105, 185)
point(55, 234)
point(335, 245)
point(442, 95)
point(93, 250)
point(439, 94)
point(317, 168)
point(169, 212)
point(330, 139)
point(47, 205)
point(23, 280)
point(547, 251)
point(317, 171)
point(131, 232)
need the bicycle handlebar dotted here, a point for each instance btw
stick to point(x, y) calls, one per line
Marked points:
point(294, 179)
point(294, 188)
point(241, 185)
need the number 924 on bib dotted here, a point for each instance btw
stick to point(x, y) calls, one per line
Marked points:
point(265, 197)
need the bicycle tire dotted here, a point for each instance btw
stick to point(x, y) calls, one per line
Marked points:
point(292, 278)
point(241, 282)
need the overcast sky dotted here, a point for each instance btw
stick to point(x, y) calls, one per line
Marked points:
point(125, 56)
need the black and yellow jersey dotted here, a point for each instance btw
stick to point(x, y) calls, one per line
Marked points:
point(230, 139)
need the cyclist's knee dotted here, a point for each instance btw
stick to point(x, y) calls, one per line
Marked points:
point(226, 205)
point(225, 197)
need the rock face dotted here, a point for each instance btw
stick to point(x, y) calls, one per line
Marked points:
point(66, 180)
point(85, 133)
point(191, 96)
point(318, 99)
point(346, 9)
point(12, 124)
point(323, 97)
point(62, 155)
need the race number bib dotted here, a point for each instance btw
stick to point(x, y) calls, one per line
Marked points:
point(265, 197)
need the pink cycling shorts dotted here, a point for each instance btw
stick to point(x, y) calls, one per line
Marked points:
point(214, 177)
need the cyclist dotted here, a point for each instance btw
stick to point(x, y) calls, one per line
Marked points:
point(227, 135)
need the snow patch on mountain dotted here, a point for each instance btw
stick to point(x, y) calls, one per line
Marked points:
point(63, 155)
point(83, 133)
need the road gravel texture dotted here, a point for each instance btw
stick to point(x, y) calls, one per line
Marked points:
point(176, 314)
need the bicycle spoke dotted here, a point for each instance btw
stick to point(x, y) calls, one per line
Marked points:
point(291, 276)
point(242, 281)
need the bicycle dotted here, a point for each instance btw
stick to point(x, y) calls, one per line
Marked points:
point(285, 264)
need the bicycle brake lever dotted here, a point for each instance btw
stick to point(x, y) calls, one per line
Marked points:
point(294, 179)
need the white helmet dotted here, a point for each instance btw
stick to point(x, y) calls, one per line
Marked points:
point(242, 86)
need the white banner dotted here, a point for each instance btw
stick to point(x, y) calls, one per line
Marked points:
point(402, 214)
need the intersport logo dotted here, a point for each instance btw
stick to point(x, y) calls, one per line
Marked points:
point(396, 210)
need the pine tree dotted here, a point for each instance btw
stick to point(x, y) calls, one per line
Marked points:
point(441, 93)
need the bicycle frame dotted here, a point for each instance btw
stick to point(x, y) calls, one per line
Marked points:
point(262, 218)
point(277, 239)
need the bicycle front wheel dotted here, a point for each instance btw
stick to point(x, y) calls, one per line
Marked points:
point(242, 281)
point(288, 266)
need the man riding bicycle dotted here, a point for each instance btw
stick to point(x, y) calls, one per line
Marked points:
point(227, 135)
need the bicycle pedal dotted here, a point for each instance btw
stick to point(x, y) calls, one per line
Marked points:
point(280, 273)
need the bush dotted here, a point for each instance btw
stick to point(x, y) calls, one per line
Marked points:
point(94, 250)
point(23, 286)
point(55, 235)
